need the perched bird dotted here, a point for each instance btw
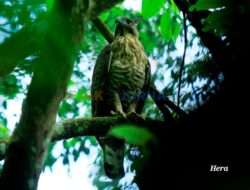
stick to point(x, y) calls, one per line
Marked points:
point(120, 84)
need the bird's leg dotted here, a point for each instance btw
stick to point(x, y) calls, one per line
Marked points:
point(117, 105)
point(131, 114)
point(132, 107)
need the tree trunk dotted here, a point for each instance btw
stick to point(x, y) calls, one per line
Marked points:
point(29, 143)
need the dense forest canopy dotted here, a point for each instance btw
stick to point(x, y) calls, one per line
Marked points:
point(196, 50)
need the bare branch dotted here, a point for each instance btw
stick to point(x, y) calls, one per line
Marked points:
point(163, 101)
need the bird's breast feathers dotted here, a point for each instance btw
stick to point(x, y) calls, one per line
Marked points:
point(128, 62)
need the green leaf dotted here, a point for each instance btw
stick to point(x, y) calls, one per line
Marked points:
point(217, 22)
point(104, 16)
point(170, 25)
point(176, 30)
point(50, 4)
point(151, 8)
point(148, 41)
point(69, 143)
point(132, 134)
point(165, 25)
point(208, 4)
point(174, 7)
point(4, 132)
point(82, 95)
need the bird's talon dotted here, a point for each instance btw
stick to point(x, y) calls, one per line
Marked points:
point(118, 113)
point(134, 116)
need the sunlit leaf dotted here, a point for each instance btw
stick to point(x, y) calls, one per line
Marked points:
point(50, 4)
point(132, 134)
point(170, 26)
point(4, 132)
point(69, 143)
point(174, 7)
point(151, 8)
point(165, 26)
point(176, 30)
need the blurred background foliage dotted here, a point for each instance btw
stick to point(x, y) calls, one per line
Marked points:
point(23, 24)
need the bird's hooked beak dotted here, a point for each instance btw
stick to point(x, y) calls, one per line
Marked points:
point(124, 21)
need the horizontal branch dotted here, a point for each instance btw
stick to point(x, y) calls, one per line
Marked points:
point(97, 126)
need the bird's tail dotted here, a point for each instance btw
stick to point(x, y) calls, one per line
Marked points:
point(113, 151)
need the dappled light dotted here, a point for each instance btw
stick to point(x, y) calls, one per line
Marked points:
point(191, 92)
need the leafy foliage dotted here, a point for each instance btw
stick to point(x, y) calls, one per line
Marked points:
point(23, 24)
point(211, 4)
point(150, 9)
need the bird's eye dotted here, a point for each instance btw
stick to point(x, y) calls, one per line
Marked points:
point(128, 21)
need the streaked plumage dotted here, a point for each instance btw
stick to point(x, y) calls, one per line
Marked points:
point(119, 85)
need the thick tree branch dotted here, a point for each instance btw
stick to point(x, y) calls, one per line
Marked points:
point(97, 126)
point(48, 86)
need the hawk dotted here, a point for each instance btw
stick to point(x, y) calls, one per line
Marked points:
point(120, 84)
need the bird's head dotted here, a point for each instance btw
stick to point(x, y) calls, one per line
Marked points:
point(125, 26)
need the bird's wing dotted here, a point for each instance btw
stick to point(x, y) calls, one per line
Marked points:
point(145, 89)
point(99, 80)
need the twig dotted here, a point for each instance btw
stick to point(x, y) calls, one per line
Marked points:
point(183, 58)
point(195, 95)
point(164, 101)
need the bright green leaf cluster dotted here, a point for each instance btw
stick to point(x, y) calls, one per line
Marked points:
point(170, 25)
point(132, 134)
point(151, 8)
point(50, 4)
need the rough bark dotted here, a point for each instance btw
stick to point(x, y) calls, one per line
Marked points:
point(97, 126)
point(29, 142)
point(28, 145)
